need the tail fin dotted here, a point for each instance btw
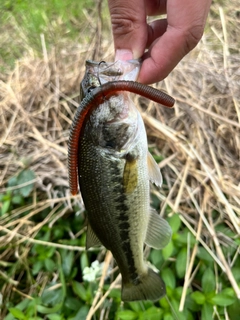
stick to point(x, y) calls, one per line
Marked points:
point(150, 287)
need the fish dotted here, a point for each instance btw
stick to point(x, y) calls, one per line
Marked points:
point(108, 151)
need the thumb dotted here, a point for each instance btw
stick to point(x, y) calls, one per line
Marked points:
point(129, 28)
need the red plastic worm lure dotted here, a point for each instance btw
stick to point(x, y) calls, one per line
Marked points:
point(91, 101)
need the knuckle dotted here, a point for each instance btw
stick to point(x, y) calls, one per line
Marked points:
point(193, 36)
point(125, 20)
point(121, 25)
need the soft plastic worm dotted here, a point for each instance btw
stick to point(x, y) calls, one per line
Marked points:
point(91, 101)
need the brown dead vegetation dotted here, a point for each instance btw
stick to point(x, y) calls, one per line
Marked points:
point(199, 139)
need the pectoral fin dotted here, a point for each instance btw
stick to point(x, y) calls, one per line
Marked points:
point(92, 240)
point(130, 174)
point(154, 172)
point(159, 232)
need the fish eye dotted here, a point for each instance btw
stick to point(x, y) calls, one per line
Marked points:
point(91, 88)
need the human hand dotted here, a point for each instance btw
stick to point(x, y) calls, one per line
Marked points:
point(167, 40)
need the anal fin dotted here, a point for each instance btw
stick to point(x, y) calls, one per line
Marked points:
point(159, 232)
point(92, 240)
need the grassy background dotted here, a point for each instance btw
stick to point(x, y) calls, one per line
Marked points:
point(22, 23)
point(43, 263)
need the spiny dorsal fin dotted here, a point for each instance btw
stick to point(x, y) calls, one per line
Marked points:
point(92, 240)
point(159, 232)
point(154, 172)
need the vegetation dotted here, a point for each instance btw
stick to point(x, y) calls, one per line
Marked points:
point(45, 272)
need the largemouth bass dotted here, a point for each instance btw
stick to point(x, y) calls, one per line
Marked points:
point(114, 170)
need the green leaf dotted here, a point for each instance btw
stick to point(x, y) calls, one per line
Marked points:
point(26, 176)
point(164, 303)
point(54, 316)
point(225, 230)
point(146, 304)
point(168, 277)
point(72, 303)
point(181, 262)
point(229, 291)
point(30, 311)
point(175, 223)
point(84, 260)
point(168, 250)
point(81, 314)
point(178, 293)
point(17, 313)
point(157, 158)
point(17, 199)
point(67, 262)
point(202, 254)
point(233, 310)
point(49, 264)
point(223, 300)
point(190, 304)
point(79, 290)
point(198, 297)
point(152, 313)
point(12, 182)
point(37, 267)
point(182, 239)
point(52, 297)
point(20, 306)
point(115, 293)
point(135, 306)
point(177, 314)
point(5, 206)
point(208, 281)
point(61, 275)
point(207, 311)
point(127, 315)
point(236, 273)
point(46, 310)
point(156, 258)
point(168, 316)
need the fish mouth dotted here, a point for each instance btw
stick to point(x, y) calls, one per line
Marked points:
point(98, 73)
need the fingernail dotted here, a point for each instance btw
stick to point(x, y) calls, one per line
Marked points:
point(123, 54)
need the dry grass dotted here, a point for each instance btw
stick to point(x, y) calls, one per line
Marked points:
point(199, 139)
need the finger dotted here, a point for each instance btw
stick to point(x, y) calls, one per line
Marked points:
point(186, 21)
point(165, 53)
point(155, 30)
point(129, 27)
point(161, 59)
point(155, 7)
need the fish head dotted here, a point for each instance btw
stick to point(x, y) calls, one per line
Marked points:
point(98, 73)
point(114, 124)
